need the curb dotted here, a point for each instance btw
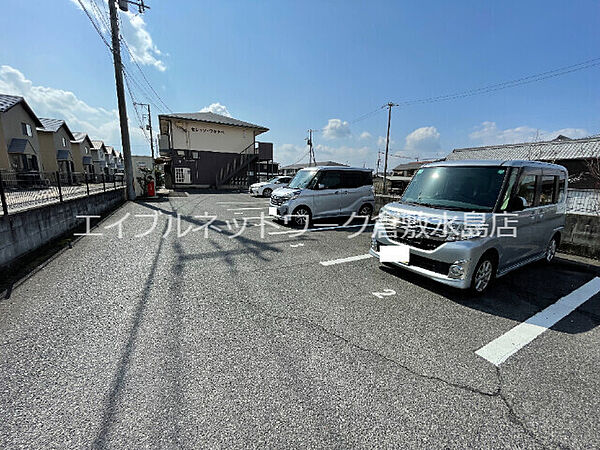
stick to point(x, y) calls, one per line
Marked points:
point(6, 293)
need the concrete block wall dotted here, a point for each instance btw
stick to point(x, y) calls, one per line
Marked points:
point(582, 235)
point(25, 231)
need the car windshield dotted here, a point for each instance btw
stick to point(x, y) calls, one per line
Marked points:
point(456, 188)
point(302, 179)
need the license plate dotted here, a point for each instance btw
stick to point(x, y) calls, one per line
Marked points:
point(394, 253)
point(272, 211)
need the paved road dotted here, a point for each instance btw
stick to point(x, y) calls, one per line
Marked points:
point(232, 342)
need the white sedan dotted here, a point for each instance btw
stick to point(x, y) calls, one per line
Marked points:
point(266, 188)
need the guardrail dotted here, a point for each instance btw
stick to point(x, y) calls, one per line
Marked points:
point(24, 190)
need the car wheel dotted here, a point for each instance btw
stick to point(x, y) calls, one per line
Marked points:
point(483, 274)
point(551, 250)
point(267, 192)
point(365, 211)
point(301, 215)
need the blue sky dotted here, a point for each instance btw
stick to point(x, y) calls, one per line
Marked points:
point(291, 66)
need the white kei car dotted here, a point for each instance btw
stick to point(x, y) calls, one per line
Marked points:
point(266, 188)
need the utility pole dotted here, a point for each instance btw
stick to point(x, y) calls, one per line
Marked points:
point(147, 105)
point(116, 50)
point(378, 161)
point(311, 154)
point(387, 145)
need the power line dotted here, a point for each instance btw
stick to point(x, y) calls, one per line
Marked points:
point(507, 84)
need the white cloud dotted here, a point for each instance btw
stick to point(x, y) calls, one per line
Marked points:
point(336, 129)
point(216, 108)
point(488, 133)
point(98, 122)
point(381, 142)
point(424, 141)
point(356, 156)
point(365, 135)
point(143, 49)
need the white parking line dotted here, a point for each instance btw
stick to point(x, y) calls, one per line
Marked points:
point(345, 260)
point(238, 203)
point(244, 209)
point(321, 229)
point(502, 348)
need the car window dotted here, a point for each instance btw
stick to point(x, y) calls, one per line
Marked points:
point(351, 180)
point(509, 189)
point(547, 190)
point(561, 190)
point(526, 189)
point(330, 179)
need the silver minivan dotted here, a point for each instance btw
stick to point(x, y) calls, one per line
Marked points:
point(325, 191)
point(463, 223)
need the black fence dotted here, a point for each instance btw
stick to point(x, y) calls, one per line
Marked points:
point(23, 190)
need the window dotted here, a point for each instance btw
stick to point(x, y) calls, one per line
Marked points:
point(87, 150)
point(352, 180)
point(330, 179)
point(547, 190)
point(195, 155)
point(26, 128)
point(64, 142)
point(183, 175)
point(526, 189)
point(509, 189)
point(562, 183)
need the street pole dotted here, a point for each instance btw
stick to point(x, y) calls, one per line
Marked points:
point(387, 146)
point(147, 105)
point(125, 142)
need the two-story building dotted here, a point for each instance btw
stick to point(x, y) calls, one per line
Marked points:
point(55, 147)
point(99, 157)
point(210, 150)
point(110, 160)
point(19, 142)
point(82, 153)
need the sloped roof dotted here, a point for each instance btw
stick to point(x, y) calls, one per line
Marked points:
point(8, 101)
point(210, 117)
point(557, 149)
point(413, 165)
point(79, 136)
point(98, 144)
point(53, 125)
point(319, 163)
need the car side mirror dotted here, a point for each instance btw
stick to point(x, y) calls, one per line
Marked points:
point(516, 204)
point(320, 186)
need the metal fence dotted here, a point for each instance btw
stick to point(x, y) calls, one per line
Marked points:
point(583, 201)
point(24, 190)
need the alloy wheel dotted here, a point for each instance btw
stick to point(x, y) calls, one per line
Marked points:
point(483, 275)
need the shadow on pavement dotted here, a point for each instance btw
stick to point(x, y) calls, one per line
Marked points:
point(521, 294)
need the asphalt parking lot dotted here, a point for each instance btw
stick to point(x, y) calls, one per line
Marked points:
point(240, 334)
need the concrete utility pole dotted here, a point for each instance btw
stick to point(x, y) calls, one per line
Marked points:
point(125, 142)
point(387, 145)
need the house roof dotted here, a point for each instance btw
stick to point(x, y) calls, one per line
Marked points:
point(210, 117)
point(80, 136)
point(319, 163)
point(8, 101)
point(98, 144)
point(53, 125)
point(412, 165)
point(560, 148)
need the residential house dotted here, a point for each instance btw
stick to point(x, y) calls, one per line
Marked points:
point(110, 160)
point(55, 147)
point(408, 169)
point(294, 168)
point(19, 141)
point(120, 166)
point(207, 149)
point(574, 154)
point(99, 157)
point(82, 153)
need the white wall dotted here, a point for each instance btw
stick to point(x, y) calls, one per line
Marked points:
point(190, 135)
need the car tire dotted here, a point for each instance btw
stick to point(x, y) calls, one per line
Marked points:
point(267, 192)
point(484, 274)
point(365, 210)
point(551, 250)
point(300, 215)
